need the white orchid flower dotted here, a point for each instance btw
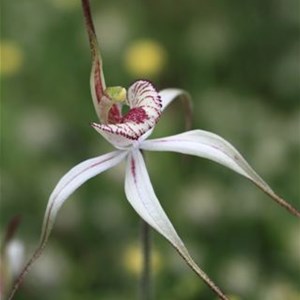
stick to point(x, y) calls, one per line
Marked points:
point(128, 134)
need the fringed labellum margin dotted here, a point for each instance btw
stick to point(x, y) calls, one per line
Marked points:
point(145, 109)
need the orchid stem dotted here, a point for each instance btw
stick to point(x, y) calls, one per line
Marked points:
point(145, 280)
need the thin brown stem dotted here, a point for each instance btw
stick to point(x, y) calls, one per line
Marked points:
point(203, 275)
point(145, 280)
point(25, 270)
point(289, 207)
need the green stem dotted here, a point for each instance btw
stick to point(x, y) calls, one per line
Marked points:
point(145, 280)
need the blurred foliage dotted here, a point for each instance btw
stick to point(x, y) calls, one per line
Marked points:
point(240, 61)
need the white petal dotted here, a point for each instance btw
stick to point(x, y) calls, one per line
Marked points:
point(211, 146)
point(169, 95)
point(145, 110)
point(73, 180)
point(140, 194)
point(204, 144)
point(65, 187)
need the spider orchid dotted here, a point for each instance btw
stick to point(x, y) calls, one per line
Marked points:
point(128, 133)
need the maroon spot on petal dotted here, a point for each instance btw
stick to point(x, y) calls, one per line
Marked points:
point(136, 115)
point(132, 166)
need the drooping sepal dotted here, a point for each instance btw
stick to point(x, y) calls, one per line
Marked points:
point(65, 187)
point(140, 194)
point(171, 94)
point(211, 146)
point(145, 109)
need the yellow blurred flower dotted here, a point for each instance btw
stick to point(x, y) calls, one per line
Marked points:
point(11, 57)
point(132, 260)
point(145, 58)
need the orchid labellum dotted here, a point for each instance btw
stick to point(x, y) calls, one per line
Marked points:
point(129, 133)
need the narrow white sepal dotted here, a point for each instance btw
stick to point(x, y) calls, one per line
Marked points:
point(65, 187)
point(73, 180)
point(207, 145)
point(169, 95)
point(141, 196)
point(211, 146)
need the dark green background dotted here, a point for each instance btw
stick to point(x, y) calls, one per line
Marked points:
point(240, 62)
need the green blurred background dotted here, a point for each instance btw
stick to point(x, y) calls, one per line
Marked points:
point(240, 62)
